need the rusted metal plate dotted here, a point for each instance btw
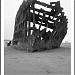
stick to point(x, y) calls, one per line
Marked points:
point(34, 31)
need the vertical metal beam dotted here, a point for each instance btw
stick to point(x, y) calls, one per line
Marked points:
point(28, 20)
point(42, 20)
point(33, 6)
point(25, 23)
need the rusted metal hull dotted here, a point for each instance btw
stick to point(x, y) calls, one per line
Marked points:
point(31, 38)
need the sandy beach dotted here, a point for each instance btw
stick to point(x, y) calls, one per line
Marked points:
point(52, 62)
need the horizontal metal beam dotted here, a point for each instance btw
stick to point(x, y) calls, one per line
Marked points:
point(46, 18)
point(48, 13)
point(46, 5)
point(41, 11)
point(48, 26)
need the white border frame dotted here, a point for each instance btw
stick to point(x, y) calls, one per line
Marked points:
point(72, 37)
point(2, 37)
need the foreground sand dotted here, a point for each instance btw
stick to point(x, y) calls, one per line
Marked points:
point(52, 62)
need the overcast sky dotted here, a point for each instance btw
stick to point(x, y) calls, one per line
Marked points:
point(11, 7)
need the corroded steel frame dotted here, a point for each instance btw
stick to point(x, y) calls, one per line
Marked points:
point(39, 39)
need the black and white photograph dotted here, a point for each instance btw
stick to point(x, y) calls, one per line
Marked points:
point(37, 37)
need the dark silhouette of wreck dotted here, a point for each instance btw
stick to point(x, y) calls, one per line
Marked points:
point(33, 38)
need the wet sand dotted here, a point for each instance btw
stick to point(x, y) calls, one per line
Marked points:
point(52, 62)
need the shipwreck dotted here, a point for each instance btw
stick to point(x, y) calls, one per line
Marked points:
point(37, 28)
